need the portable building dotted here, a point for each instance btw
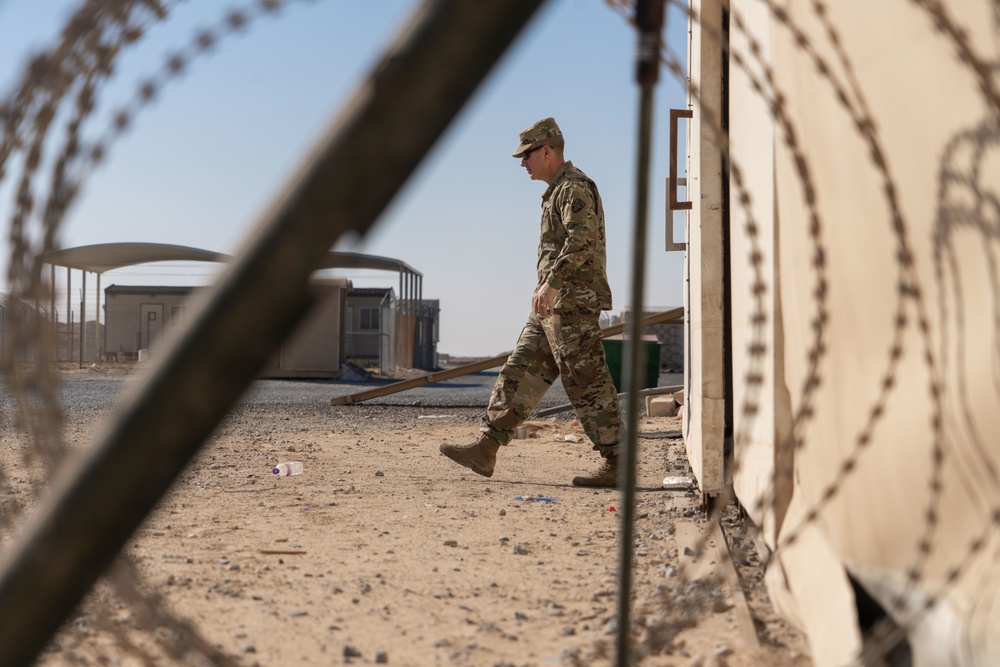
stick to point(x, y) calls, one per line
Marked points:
point(137, 316)
point(370, 326)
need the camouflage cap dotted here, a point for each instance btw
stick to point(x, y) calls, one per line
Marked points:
point(538, 134)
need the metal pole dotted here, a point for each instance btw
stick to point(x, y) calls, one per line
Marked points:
point(97, 321)
point(99, 499)
point(52, 307)
point(69, 313)
point(83, 315)
point(649, 21)
point(421, 360)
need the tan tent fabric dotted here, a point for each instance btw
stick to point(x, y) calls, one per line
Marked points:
point(882, 385)
point(866, 345)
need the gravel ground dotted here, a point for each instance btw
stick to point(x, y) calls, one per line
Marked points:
point(88, 389)
point(383, 551)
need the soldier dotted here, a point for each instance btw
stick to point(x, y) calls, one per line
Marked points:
point(562, 336)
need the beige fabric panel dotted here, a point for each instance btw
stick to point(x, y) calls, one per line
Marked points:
point(806, 581)
point(758, 396)
point(808, 585)
point(860, 402)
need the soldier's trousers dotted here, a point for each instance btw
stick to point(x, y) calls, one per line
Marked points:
point(566, 345)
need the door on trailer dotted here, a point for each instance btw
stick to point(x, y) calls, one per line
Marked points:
point(150, 324)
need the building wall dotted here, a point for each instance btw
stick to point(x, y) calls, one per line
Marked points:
point(401, 339)
point(135, 317)
point(428, 335)
point(316, 348)
point(368, 343)
point(704, 338)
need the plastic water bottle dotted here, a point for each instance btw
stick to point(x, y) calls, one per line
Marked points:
point(289, 468)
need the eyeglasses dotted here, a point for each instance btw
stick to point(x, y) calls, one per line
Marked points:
point(526, 154)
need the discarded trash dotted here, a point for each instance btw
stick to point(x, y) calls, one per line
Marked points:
point(353, 373)
point(433, 416)
point(572, 437)
point(536, 499)
point(288, 468)
point(676, 482)
point(612, 509)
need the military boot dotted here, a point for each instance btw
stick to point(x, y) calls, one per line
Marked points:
point(606, 475)
point(479, 457)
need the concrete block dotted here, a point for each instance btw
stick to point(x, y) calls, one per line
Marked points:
point(661, 406)
point(679, 397)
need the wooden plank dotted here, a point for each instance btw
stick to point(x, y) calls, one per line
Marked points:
point(431, 378)
point(656, 318)
point(652, 391)
point(477, 366)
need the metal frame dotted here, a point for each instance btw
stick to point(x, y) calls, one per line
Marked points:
point(673, 182)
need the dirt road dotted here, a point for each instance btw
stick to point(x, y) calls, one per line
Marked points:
point(383, 551)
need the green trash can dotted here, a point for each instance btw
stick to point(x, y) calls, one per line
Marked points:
point(649, 369)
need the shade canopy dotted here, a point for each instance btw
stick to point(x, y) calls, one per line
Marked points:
point(103, 257)
point(109, 256)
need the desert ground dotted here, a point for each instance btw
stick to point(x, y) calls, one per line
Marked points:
point(385, 552)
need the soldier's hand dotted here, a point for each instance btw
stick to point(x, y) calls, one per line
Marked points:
point(545, 298)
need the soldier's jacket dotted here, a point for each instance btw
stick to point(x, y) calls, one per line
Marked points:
point(572, 249)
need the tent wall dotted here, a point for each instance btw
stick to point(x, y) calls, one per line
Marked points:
point(762, 415)
point(865, 327)
point(907, 380)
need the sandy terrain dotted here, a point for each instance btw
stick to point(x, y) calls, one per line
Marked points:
point(384, 551)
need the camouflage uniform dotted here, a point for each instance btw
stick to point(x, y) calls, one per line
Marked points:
point(567, 344)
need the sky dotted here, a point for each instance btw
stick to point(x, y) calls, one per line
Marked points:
point(199, 165)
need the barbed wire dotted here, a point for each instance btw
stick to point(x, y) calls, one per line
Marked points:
point(910, 302)
point(71, 74)
point(100, 33)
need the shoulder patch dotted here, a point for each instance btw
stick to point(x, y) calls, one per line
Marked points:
point(578, 205)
